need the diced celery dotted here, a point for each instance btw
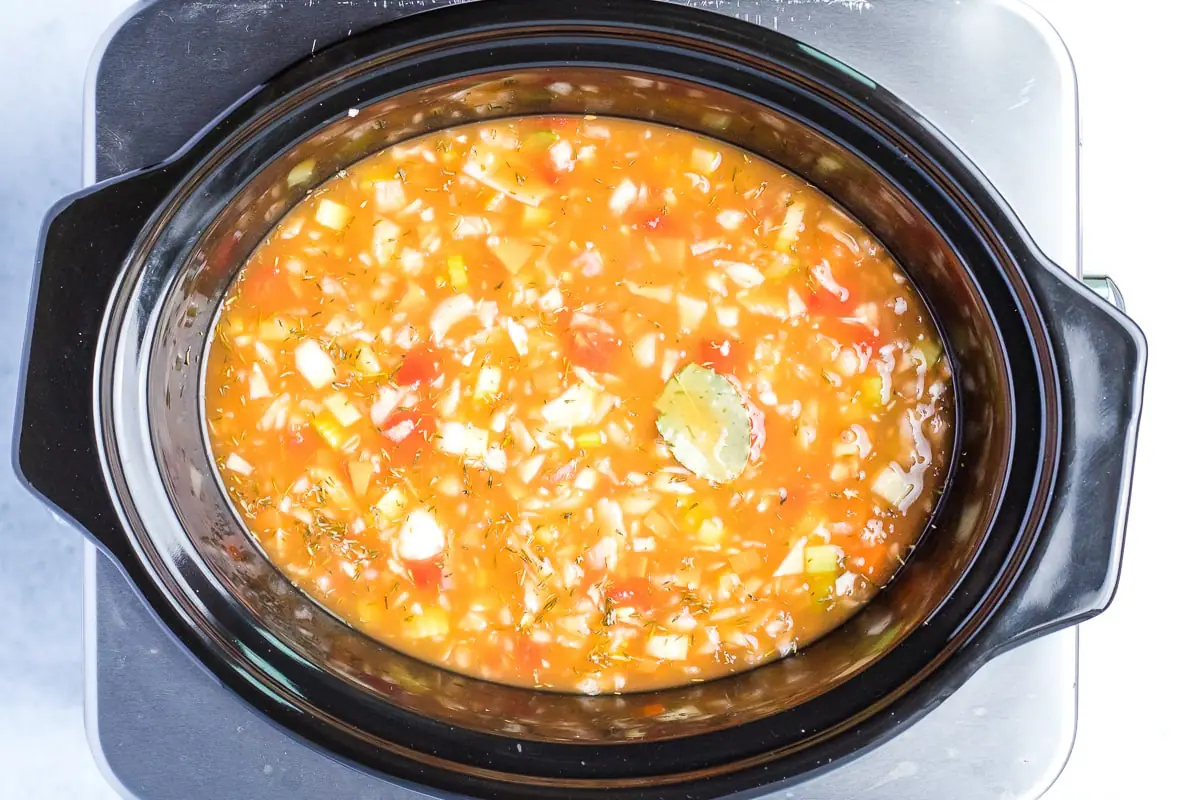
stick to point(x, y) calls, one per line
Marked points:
point(822, 558)
point(457, 268)
point(330, 429)
point(590, 438)
point(540, 140)
point(872, 390)
point(793, 562)
point(928, 351)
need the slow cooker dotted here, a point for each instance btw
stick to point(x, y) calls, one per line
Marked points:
point(1026, 540)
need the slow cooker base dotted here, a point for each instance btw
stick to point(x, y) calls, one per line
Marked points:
point(144, 689)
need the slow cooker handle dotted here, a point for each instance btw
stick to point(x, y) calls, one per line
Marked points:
point(84, 243)
point(1101, 357)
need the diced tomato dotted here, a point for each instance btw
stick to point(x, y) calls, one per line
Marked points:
point(528, 654)
point(590, 344)
point(425, 574)
point(722, 355)
point(851, 331)
point(544, 166)
point(656, 220)
point(631, 593)
point(301, 442)
point(821, 302)
point(264, 284)
point(420, 365)
point(404, 432)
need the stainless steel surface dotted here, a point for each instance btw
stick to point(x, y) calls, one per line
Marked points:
point(162, 728)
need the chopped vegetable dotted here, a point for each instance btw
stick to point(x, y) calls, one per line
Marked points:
point(391, 504)
point(385, 238)
point(343, 410)
point(789, 231)
point(360, 476)
point(421, 538)
point(691, 312)
point(458, 439)
point(457, 269)
point(488, 383)
point(332, 215)
point(822, 558)
point(669, 647)
point(578, 405)
point(705, 423)
point(793, 563)
point(367, 362)
point(705, 161)
point(449, 313)
point(301, 173)
point(389, 195)
point(330, 429)
point(892, 485)
point(513, 253)
point(312, 362)
point(238, 464)
point(431, 623)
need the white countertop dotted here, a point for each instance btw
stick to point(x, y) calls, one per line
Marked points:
point(1140, 206)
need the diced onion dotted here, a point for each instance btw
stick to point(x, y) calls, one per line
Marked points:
point(389, 195)
point(668, 647)
point(235, 463)
point(623, 196)
point(645, 349)
point(449, 313)
point(421, 538)
point(314, 364)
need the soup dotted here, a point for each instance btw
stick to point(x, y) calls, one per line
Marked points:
point(579, 403)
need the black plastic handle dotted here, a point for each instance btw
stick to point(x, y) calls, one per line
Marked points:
point(84, 243)
point(1101, 357)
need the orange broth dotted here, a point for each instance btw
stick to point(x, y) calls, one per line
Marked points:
point(579, 403)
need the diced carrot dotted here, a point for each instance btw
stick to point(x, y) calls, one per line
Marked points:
point(632, 593)
point(590, 348)
point(528, 654)
point(424, 574)
point(723, 355)
point(420, 365)
point(264, 285)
